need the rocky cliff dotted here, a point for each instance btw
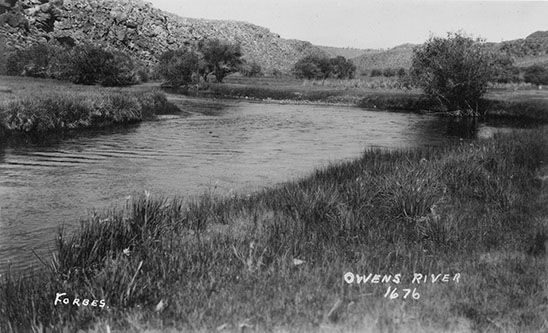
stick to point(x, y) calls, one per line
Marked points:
point(138, 28)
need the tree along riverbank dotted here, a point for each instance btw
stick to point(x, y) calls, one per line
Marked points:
point(429, 239)
point(36, 106)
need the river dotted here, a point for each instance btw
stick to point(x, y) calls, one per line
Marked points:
point(220, 146)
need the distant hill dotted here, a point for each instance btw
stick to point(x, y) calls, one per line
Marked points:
point(139, 28)
point(538, 34)
point(526, 52)
point(396, 57)
point(347, 52)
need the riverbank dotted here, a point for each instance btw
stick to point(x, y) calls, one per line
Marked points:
point(375, 93)
point(280, 258)
point(37, 106)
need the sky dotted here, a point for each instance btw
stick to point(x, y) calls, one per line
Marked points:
point(373, 24)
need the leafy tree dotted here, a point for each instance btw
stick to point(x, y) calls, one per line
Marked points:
point(178, 67)
point(453, 71)
point(536, 74)
point(375, 72)
point(91, 64)
point(505, 71)
point(389, 72)
point(219, 57)
point(250, 69)
point(121, 70)
point(342, 68)
point(313, 67)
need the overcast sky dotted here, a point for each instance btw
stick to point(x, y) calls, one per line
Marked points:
point(373, 24)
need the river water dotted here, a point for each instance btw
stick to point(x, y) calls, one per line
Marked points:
point(219, 146)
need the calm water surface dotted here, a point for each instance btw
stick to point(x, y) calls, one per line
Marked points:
point(221, 146)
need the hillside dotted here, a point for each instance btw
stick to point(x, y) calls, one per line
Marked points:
point(137, 27)
point(397, 57)
point(347, 52)
point(526, 52)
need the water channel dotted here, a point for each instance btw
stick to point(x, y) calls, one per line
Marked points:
point(218, 145)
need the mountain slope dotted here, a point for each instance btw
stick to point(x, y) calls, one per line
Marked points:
point(141, 29)
point(397, 57)
point(347, 52)
point(526, 52)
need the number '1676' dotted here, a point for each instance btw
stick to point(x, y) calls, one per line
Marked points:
point(392, 293)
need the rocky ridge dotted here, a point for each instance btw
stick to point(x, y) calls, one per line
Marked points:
point(137, 27)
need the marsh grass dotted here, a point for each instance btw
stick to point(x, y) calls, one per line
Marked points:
point(35, 106)
point(275, 259)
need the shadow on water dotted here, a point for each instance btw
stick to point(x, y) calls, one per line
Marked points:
point(472, 128)
point(55, 138)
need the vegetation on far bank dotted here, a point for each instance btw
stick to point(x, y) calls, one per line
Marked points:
point(31, 106)
point(277, 258)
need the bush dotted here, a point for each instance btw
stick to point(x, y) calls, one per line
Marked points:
point(85, 64)
point(177, 67)
point(389, 72)
point(220, 58)
point(505, 71)
point(536, 74)
point(376, 72)
point(342, 68)
point(89, 64)
point(453, 71)
point(312, 67)
point(250, 69)
point(39, 60)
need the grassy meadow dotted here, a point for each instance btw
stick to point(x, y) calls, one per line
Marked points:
point(37, 106)
point(277, 259)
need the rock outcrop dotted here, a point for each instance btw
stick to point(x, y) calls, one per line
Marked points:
point(138, 28)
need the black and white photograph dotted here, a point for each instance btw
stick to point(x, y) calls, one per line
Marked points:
point(273, 166)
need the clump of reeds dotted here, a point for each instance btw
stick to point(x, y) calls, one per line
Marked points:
point(39, 113)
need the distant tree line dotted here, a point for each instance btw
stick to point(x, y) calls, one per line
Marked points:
point(316, 67)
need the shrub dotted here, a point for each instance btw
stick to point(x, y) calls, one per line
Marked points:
point(177, 67)
point(220, 58)
point(313, 67)
point(376, 72)
point(342, 68)
point(389, 72)
point(38, 60)
point(536, 74)
point(505, 71)
point(250, 69)
point(89, 64)
point(453, 71)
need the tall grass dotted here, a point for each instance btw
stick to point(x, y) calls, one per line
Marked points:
point(276, 259)
point(43, 112)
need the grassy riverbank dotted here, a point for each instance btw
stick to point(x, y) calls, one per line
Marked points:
point(277, 259)
point(34, 106)
point(377, 93)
